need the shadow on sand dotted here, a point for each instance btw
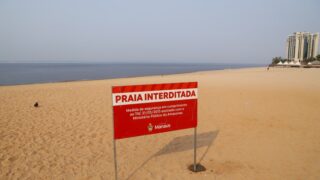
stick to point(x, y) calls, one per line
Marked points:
point(184, 143)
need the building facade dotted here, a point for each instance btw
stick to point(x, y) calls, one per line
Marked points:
point(302, 45)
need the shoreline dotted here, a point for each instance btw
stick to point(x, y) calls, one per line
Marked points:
point(103, 79)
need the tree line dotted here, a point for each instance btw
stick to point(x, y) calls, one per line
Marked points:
point(276, 60)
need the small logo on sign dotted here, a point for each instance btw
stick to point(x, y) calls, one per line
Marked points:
point(150, 127)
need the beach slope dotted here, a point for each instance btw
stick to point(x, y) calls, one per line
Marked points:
point(253, 124)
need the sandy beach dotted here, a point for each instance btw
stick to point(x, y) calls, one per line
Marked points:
point(253, 124)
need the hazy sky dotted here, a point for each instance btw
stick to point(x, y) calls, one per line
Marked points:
point(151, 31)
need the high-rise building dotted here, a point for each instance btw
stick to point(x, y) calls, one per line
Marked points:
point(302, 45)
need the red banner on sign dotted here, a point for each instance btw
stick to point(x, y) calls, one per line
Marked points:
point(154, 108)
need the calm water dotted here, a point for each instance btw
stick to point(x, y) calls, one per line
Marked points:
point(28, 73)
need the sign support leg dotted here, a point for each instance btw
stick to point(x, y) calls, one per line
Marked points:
point(195, 150)
point(114, 146)
point(115, 159)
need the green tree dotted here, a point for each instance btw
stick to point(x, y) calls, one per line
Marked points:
point(276, 60)
point(318, 57)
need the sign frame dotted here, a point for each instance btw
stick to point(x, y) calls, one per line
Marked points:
point(195, 126)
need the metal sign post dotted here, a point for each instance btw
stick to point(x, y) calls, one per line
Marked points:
point(114, 148)
point(195, 167)
point(115, 159)
point(195, 150)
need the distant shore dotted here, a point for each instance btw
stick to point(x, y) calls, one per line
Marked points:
point(295, 66)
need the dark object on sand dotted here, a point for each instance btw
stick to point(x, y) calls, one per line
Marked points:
point(36, 104)
point(199, 168)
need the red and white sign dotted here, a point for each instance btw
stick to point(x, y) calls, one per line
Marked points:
point(154, 108)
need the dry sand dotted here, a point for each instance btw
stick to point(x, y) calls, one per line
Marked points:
point(253, 124)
